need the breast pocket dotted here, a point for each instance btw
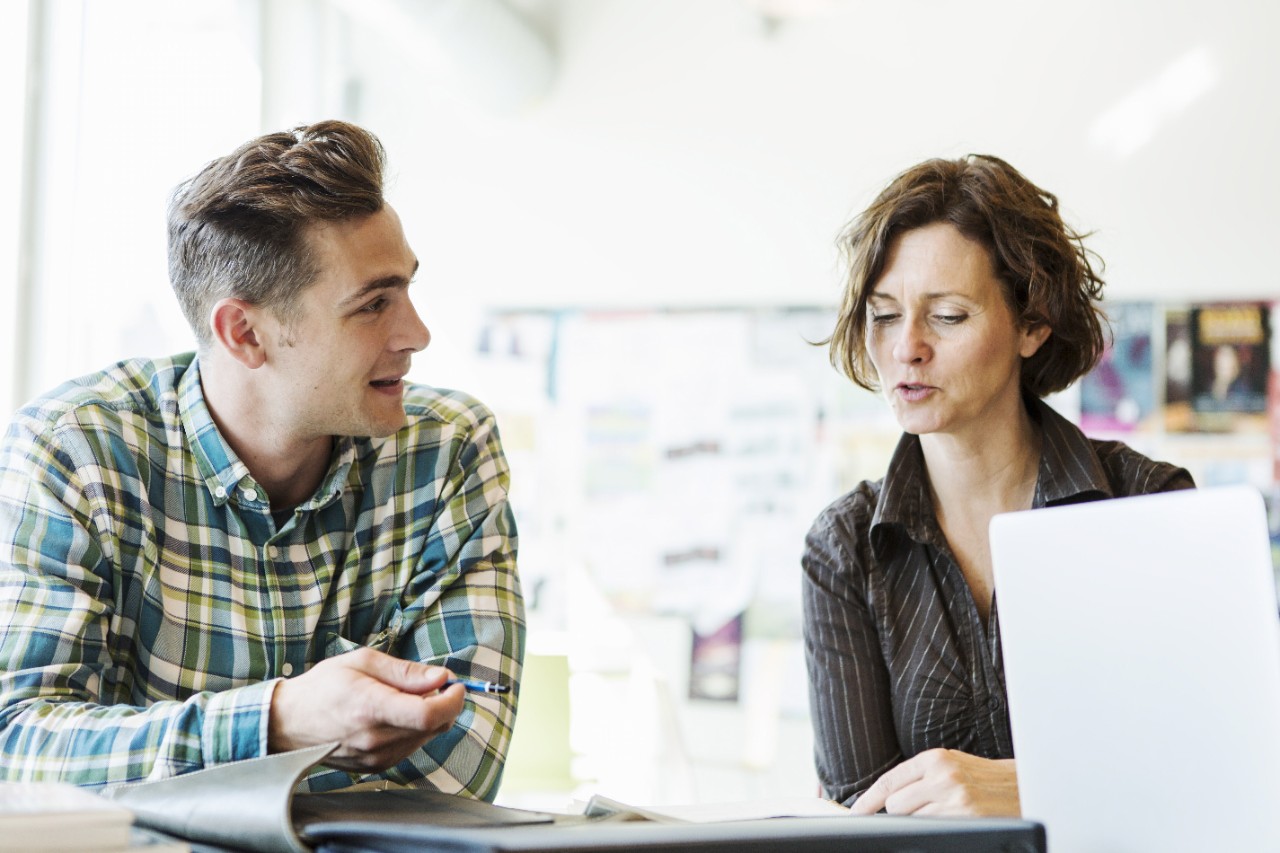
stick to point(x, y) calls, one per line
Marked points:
point(382, 641)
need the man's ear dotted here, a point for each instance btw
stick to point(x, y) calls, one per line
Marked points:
point(235, 329)
point(1033, 337)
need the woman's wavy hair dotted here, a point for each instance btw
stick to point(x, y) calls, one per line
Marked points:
point(1043, 265)
point(238, 228)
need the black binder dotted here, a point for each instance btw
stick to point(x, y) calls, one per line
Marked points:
point(879, 834)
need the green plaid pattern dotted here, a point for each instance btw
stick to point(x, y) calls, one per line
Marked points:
point(148, 600)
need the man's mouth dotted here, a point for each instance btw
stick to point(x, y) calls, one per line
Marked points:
point(385, 383)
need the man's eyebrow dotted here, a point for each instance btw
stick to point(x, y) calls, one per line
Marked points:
point(387, 282)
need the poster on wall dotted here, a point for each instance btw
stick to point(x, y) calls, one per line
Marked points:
point(1119, 394)
point(1230, 365)
point(1273, 409)
point(1178, 416)
point(715, 666)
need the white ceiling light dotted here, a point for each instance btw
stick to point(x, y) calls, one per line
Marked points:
point(481, 47)
point(1134, 120)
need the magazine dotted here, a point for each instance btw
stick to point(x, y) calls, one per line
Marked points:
point(1230, 364)
point(1119, 394)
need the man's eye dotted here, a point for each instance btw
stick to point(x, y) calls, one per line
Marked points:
point(375, 306)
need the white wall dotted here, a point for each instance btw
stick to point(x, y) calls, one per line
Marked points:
point(687, 154)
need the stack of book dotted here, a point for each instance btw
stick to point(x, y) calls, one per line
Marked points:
point(53, 817)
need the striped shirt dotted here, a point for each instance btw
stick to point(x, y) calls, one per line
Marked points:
point(149, 600)
point(899, 659)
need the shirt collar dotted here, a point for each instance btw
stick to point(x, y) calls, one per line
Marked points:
point(1069, 471)
point(905, 500)
point(219, 466)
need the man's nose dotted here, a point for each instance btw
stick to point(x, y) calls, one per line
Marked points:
point(414, 334)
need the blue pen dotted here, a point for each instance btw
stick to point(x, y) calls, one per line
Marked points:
point(478, 686)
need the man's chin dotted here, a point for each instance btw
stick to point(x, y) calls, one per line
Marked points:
point(383, 429)
point(380, 428)
point(390, 427)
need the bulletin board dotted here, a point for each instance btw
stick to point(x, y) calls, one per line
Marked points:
point(678, 457)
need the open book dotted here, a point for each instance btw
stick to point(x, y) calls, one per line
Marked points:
point(251, 805)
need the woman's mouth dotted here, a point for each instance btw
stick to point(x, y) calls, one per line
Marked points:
point(914, 392)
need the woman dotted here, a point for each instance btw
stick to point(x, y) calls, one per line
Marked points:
point(967, 301)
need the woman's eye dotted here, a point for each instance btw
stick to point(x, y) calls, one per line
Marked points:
point(951, 319)
point(881, 319)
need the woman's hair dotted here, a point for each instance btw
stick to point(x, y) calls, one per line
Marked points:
point(238, 228)
point(1042, 264)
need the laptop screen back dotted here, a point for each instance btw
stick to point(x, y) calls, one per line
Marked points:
point(1142, 658)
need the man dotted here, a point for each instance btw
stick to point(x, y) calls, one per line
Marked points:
point(273, 542)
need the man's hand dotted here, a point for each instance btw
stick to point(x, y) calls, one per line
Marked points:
point(378, 707)
point(945, 782)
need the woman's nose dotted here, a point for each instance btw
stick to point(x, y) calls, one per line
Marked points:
point(912, 344)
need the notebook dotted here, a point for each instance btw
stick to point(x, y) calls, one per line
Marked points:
point(1142, 659)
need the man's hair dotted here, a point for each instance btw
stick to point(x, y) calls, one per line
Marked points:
point(238, 228)
point(1042, 264)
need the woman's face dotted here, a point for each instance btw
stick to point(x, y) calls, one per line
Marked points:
point(942, 337)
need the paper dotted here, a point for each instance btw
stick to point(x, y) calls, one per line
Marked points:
point(763, 809)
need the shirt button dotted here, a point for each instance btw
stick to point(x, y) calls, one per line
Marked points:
point(250, 494)
point(272, 552)
point(287, 669)
point(220, 492)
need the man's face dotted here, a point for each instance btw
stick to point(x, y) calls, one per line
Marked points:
point(338, 363)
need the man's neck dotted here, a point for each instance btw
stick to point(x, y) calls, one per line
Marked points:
point(287, 466)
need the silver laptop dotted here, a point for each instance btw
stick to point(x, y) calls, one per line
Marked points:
point(1142, 656)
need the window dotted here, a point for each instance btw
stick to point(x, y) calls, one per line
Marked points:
point(13, 65)
point(135, 95)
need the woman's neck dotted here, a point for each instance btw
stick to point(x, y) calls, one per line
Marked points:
point(994, 472)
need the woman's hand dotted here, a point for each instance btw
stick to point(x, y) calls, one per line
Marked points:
point(945, 782)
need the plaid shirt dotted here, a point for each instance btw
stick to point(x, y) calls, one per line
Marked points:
point(149, 600)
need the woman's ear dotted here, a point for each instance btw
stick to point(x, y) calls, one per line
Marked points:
point(234, 325)
point(1033, 337)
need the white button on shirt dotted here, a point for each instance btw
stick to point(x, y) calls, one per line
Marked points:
point(250, 494)
point(286, 669)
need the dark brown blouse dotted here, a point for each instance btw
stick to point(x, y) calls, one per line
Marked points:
point(899, 659)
